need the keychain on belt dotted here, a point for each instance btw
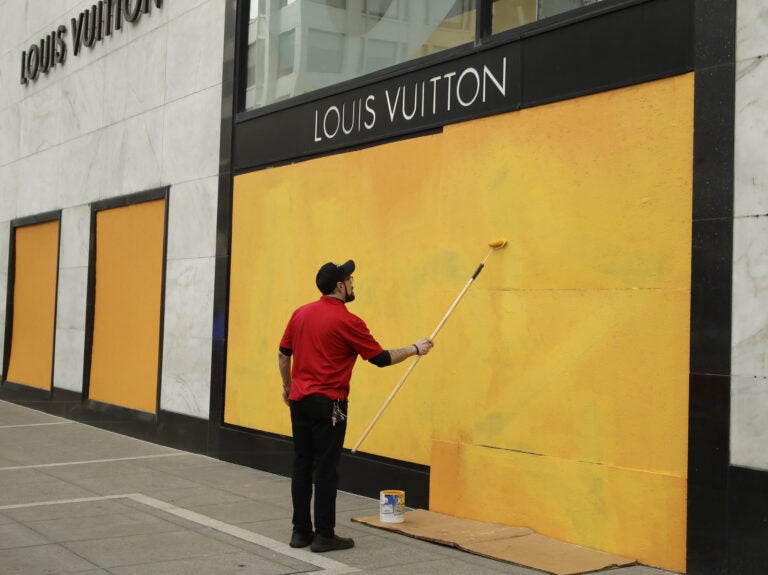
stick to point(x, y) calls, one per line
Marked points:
point(337, 415)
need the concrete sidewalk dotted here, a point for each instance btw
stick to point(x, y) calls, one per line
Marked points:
point(78, 499)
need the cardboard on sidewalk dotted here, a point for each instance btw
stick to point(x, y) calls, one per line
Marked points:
point(517, 545)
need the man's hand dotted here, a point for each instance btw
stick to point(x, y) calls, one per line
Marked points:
point(284, 363)
point(421, 347)
point(285, 396)
point(424, 345)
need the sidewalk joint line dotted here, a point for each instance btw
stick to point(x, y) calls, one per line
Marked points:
point(66, 463)
point(36, 424)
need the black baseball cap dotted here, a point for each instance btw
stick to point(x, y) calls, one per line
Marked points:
point(331, 273)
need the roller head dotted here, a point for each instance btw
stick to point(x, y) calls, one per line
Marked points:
point(497, 244)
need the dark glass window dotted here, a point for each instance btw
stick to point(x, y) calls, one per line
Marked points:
point(312, 44)
point(508, 14)
point(286, 43)
point(325, 51)
point(297, 46)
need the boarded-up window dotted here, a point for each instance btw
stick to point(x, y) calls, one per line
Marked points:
point(128, 297)
point(34, 304)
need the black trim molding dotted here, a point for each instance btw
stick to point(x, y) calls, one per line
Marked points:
point(595, 49)
point(708, 530)
point(747, 521)
point(165, 428)
point(619, 48)
point(358, 473)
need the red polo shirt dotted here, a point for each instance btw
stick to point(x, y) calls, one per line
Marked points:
point(325, 339)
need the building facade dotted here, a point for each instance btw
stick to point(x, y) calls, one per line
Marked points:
point(173, 173)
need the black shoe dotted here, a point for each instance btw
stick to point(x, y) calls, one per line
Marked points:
point(300, 539)
point(322, 544)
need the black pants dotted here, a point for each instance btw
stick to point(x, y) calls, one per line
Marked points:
point(317, 445)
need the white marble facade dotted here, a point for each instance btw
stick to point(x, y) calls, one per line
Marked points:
point(749, 366)
point(138, 110)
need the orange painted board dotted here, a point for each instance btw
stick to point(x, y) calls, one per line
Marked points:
point(34, 305)
point(628, 512)
point(126, 331)
point(563, 375)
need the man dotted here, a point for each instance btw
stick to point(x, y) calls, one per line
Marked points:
point(317, 353)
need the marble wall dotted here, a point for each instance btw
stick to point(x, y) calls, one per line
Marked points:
point(138, 110)
point(749, 365)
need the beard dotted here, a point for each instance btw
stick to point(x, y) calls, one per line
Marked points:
point(348, 295)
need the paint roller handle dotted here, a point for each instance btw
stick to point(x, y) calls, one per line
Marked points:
point(416, 359)
point(455, 303)
point(494, 246)
point(392, 394)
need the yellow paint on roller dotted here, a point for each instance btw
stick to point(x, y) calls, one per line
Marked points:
point(34, 305)
point(126, 327)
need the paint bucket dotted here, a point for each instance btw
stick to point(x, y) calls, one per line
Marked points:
point(392, 506)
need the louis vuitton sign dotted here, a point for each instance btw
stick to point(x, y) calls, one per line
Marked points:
point(92, 25)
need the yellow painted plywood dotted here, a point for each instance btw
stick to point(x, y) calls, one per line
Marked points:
point(625, 511)
point(34, 304)
point(593, 375)
point(593, 192)
point(573, 342)
point(126, 330)
point(287, 222)
point(581, 339)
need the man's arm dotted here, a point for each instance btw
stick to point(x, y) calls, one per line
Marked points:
point(284, 361)
point(421, 347)
point(393, 356)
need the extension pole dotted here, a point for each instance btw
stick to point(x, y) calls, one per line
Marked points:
point(496, 245)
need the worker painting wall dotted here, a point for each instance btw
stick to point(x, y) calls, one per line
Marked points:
point(557, 394)
point(554, 397)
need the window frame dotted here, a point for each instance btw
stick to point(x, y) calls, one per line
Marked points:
point(22, 222)
point(484, 37)
point(123, 201)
